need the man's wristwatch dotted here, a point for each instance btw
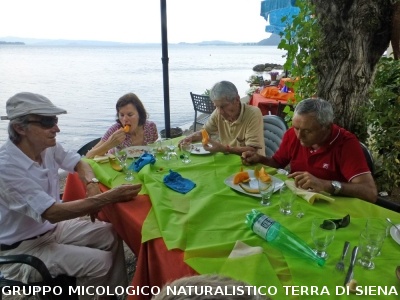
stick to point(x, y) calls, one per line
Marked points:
point(337, 187)
point(93, 180)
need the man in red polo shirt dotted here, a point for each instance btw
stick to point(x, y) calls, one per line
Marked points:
point(322, 155)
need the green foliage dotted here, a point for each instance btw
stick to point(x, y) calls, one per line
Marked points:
point(300, 39)
point(382, 114)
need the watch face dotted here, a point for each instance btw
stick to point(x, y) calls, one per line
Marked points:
point(95, 180)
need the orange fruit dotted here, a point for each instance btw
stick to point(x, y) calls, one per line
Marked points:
point(127, 128)
point(205, 137)
point(241, 177)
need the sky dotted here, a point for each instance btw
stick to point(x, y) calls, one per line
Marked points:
point(133, 21)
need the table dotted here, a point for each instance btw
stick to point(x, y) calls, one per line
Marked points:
point(196, 233)
point(267, 106)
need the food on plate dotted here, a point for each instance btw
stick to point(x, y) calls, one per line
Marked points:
point(242, 176)
point(114, 164)
point(205, 137)
point(262, 174)
point(127, 127)
point(134, 152)
point(248, 189)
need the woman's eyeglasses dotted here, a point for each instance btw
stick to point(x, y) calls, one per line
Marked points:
point(46, 122)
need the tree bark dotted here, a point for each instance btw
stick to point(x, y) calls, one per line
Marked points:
point(354, 35)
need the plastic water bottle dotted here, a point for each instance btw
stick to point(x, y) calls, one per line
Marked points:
point(280, 237)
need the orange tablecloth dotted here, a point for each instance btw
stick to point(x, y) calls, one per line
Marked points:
point(267, 106)
point(155, 264)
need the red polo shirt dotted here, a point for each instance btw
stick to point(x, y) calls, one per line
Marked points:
point(340, 158)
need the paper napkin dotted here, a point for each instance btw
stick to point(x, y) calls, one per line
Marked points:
point(242, 249)
point(175, 181)
point(310, 197)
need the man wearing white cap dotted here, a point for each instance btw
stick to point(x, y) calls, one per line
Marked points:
point(34, 221)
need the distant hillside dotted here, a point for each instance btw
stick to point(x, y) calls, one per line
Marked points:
point(273, 40)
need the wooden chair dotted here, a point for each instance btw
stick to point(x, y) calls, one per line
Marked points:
point(201, 104)
point(274, 129)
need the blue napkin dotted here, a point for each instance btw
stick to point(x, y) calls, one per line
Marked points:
point(144, 159)
point(175, 181)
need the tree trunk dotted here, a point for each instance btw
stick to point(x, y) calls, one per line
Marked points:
point(355, 34)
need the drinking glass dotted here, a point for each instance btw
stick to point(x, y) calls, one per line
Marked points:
point(266, 190)
point(169, 149)
point(322, 234)
point(122, 156)
point(370, 243)
point(187, 150)
point(377, 226)
point(286, 199)
point(153, 148)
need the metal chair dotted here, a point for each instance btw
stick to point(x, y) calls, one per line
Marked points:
point(274, 129)
point(85, 148)
point(204, 105)
point(47, 281)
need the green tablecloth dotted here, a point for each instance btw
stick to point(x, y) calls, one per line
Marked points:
point(207, 222)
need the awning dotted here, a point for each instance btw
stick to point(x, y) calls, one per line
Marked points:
point(274, 10)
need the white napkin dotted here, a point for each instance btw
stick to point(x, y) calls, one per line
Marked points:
point(241, 249)
point(310, 197)
point(101, 158)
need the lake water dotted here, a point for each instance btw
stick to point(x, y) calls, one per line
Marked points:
point(87, 81)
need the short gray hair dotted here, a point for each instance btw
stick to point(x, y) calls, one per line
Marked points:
point(195, 287)
point(321, 108)
point(14, 136)
point(224, 90)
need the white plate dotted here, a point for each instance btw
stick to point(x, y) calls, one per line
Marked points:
point(199, 150)
point(395, 233)
point(253, 183)
point(136, 151)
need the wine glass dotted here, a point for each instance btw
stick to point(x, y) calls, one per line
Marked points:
point(122, 156)
point(187, 149)
point(266, 190)
point(370, 243)
point(322, 234)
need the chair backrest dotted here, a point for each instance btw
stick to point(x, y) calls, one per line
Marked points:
point(274, 129)
point(85, 148)
point(202, 103)
point(369, 158)
point(62, 280)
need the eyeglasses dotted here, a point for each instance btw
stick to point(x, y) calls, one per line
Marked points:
point(46, 122)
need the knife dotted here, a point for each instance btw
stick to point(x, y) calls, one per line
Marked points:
point(349, 275)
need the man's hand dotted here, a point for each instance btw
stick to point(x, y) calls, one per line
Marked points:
point(250, 157)
point(214, 146)
point(122, 193)
point(306, 181)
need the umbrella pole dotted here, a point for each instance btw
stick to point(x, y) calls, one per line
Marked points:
point(165, 59)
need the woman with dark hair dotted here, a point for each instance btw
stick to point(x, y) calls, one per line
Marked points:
point(131, 128)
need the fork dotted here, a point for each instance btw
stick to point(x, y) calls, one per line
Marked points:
point(340, 264)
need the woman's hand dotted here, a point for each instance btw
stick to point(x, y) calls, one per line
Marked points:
point(116, 138)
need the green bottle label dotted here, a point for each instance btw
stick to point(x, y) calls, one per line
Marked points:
point(262, 225)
